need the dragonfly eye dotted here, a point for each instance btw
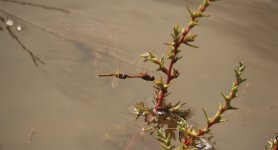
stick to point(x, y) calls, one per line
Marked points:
point(125, 76)
point(122, 76)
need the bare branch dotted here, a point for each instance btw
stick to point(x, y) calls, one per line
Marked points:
point(34, 57)
point(38, 5)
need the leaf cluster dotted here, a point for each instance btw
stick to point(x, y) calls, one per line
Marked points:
point(273, 143)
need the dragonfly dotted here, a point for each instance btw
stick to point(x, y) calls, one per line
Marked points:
point(118, 75)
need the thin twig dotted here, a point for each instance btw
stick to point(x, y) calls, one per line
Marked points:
point(38, 5)
point(2, 20)
point(35, 58)
point(62, 35)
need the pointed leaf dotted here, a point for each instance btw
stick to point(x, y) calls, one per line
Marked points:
point(206, 115)
point(242, 80)
point(146, 54)
point(237, 73)
point(235, 89)
point(190, 12)
point(225, 97)
point(205, 3)
point(194, 46)
point(232, 108)
point(223, 120)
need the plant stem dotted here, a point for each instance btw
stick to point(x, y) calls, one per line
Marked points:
point(218, 117)
point(162, 93)
point(169, 74)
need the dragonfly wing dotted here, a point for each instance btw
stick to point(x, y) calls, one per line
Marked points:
point(139, 66)
point(115, 82)
point(146, 67)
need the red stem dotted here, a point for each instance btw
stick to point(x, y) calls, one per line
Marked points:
point(169, 74)
point(176, 46)
point(276, 144)
point(188, 141)
point(214, 120)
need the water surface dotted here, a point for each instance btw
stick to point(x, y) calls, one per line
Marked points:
point(64, 105)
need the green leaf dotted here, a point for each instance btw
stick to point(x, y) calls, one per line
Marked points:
point(170, 55)
point(241, 69)
point(225, 97)
point(237, 74)
point(165, 147)
point(200, 14)
point(177, 58)
point(206, 3)
point(146, 54)
point(190, 38)
point(177, 32)
point(159, 82)
point(194, 46)
point(175, 74)
point(231, 108)
point(235, 89)
point(190, 12)
point(206, 115)
point(242, 80)
point(193, 23)
point(168, 140)
point(241, 63)
point(223, 120)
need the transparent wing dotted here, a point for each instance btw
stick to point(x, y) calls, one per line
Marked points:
point(139, 66)
point(146, 67)
point(115, 81)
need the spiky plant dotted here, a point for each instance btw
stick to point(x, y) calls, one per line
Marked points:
point(273, 143)
point(166, 121)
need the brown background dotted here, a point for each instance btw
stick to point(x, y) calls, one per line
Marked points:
point(70, 108)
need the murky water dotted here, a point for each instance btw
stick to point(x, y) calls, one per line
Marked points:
point(64, 105)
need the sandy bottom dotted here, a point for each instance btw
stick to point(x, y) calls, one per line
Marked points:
point(63, 105)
